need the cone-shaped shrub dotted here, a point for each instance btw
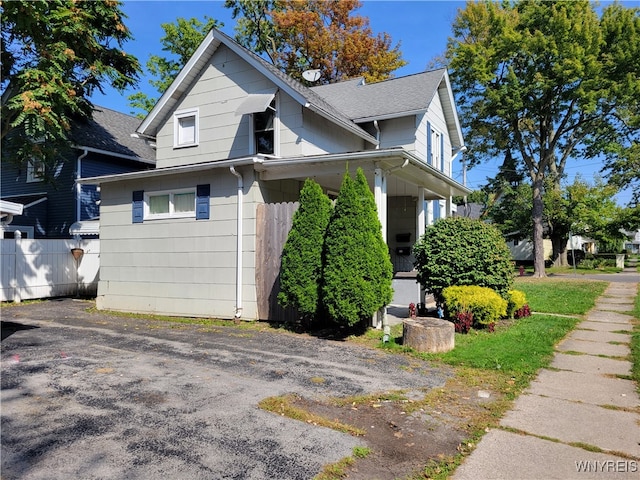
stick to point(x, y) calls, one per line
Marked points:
point(301, 268)
point(357, 272)
point(463, 251)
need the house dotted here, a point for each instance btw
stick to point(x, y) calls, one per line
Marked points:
point(201, 234)
point(632, 244)
point(101, 145)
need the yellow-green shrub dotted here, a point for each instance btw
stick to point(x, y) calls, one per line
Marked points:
point(486, 305)
point(517, 300)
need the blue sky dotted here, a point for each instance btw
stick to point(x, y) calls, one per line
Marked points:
point(421, 27)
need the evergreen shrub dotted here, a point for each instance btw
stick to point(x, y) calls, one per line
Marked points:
point(301, 267)
point(483, 303)
point(463, 251)
point(357, 272)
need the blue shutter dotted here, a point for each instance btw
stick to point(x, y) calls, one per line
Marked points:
point(442, 152)
point(436, 209)
point(429, 159)
point(138, 206)
point(202, 202)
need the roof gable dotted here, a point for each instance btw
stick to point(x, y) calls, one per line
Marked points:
point(199, 60)
point(393, 98)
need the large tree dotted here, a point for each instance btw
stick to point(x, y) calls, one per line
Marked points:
point(55, 54)
point(316, 34)
point(549, 82)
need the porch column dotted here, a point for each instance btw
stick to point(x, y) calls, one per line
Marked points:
point(422, 214)
point(449, 207)
point(380, 193)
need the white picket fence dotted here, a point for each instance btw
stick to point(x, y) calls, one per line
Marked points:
point(46, 268)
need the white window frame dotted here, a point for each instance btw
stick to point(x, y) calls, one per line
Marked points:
point(177, 118)
point(171, 214)
point(35, 171)
point(253, 148)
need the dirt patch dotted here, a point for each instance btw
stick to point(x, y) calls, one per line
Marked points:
point(405, 435)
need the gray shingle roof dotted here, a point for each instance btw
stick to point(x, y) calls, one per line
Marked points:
point(111, 131)
point(393, 97)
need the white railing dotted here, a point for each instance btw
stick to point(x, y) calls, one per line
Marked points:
point(33, 268)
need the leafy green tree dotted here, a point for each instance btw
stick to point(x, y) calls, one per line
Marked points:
point(593, 212)
point(357, 271)
point(316, 34)
point(254, 27)
point(458, 251)
point(181, 40)
point(548, 81)
point(55, 54)
point(302, 255)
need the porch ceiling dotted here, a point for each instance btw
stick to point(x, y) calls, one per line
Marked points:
point(405, 172)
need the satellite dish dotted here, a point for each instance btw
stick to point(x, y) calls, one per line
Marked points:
point(311, 75)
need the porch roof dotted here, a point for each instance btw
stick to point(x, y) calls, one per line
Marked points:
point(406, 169)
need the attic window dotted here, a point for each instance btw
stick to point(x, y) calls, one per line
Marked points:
point(263, 130)
point(185, 128)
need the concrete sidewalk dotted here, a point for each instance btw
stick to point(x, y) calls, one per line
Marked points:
point(580, 418)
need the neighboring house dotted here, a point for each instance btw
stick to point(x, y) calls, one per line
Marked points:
point(202, 233)
point(101, 145)
point(632, 244)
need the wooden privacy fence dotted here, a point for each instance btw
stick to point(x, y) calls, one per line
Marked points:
point(273, 222)
point(40, 268)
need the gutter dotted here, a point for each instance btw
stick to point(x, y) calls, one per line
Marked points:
point(114, 154)
point(238, 313)
point(159, 172)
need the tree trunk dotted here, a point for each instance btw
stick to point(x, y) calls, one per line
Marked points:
point(559, 243)
point(538, 241)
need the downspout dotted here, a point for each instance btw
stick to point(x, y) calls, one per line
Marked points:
point(377, 127)
point(238, 313)
point(78, 186)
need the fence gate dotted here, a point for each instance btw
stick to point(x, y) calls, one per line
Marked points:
point(273, 222)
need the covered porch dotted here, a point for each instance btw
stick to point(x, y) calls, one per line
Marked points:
point(409, 194)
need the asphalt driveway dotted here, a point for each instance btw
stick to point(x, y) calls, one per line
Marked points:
point(87, 395)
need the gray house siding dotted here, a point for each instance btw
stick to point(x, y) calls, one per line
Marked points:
point(179, 266)
point(223, 134)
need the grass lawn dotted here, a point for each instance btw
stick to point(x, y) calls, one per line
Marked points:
point(508, 359)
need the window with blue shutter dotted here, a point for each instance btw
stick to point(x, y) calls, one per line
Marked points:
point(138, 206)
point(203, 192)
point(436, 209)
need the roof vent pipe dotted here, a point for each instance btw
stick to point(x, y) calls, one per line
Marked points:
point(238, 313)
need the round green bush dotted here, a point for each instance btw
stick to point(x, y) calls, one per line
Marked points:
point(463, 251)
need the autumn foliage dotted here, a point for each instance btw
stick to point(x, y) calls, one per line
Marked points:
point(324, 35)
